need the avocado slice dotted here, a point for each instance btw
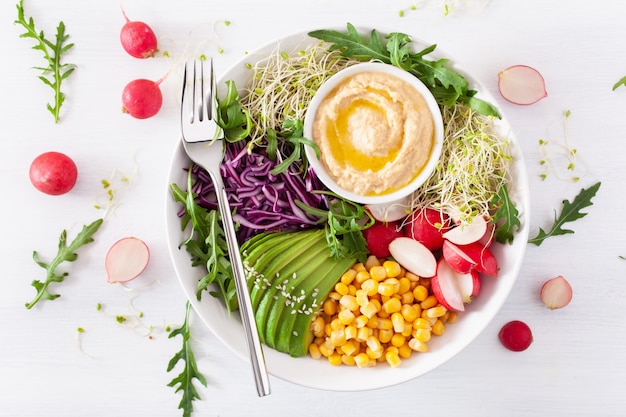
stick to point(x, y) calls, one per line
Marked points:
point(301, 336)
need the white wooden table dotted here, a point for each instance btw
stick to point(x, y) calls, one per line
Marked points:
point(576, 365)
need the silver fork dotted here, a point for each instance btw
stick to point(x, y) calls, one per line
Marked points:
point(201, 138)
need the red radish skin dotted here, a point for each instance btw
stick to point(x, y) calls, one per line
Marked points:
point(458, 260)
point(445, 287)
point(427, 226)
point(142, 98)
point(413, 256)
point(126, 259)
point(486, 262)
point(379, 236)
point(521, 84)
point(556, 293)
point(467, 233)
point(138, 39)
point(516, 336)
point(53, 173)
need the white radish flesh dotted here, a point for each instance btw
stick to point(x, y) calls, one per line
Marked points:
point(469, 285)
point(413, 256)
point(126, 259)
point(556, 293)
point(467, 233)
point(445, 287)
point(521, 84)
point(389, 212)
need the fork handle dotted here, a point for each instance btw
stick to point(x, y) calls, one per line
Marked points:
point(243, 296)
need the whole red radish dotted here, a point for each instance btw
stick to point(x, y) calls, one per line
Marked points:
point(53, 173)
point(138, 39)
point(427, 226)
point(516, 336)
point(379, 236)
point(142, 98)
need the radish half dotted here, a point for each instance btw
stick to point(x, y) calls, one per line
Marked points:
point(126, 259)
point(556, 293)
point(521, 84)
point(413, 256)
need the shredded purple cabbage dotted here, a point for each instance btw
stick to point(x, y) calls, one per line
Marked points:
point(261, 201)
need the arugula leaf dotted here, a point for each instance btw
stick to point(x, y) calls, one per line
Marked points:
point(571, 211)
point(291, 135)
point(447, 85)
point(206, 244)
point(66, 253)
point(506, 216)
point(190, 370)
point(232, 117)
point(344, 224)
point(55, 72)
point(621, 82)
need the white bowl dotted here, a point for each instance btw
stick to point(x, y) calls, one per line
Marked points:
point(319, 373)
point(433, 157)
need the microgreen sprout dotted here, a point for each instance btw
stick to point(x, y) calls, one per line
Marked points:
point(552, 150)
point(474, 163)
point(107, 199)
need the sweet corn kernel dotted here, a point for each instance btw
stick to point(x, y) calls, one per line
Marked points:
point(395, 283)
point(438, 328)
point(398, 340)
point(405, 351)
point(371, 261)
point(374, 354)
point(369, 310)
point(392, 269)
point(392, 359)
point(360, 321)
point(420, 293)
point(436, 312)
point(362, 276)
point(404, 285)
point(418, 346)
point(408, 329)
point(358, 267)
point(407, 297)
point(411, 277)
point(397, 320)
point(378, 273)
point(421, 323)
point(385, 289)
point(374, 344)
point(317, 326)
point(362, 360)
point(334, 295)
point(349, 301)
point(352, 289)
point(341, 288)
point(362, 334)
point(452, 318)
point(330, 307)
point(409, 313)
point(423, 335)
point(385, 335)
point(338, 337)
point(348, 276)
point(346, 316)
point(336, 324)
point(348, 360)
point(350, 332)
point(372, 322)
point(393, 305)
point(384, 324)
point(314, 351)
point(335, 359)
point(429, 302)
point(350, 348)
point(325, 350)
point(370, 287)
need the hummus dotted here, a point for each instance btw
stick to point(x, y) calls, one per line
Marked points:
point(375, 133)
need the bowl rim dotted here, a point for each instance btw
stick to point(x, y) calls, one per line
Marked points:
point(328, 86)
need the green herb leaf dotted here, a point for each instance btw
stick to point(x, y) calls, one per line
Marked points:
point(447, 85)
point(621, 82)
point(292, 141)
point(571, 211)
point(206, 244)
point(184, 381)
point(506, 216)
point(232, 117)
point(66, 253)
point(54, 72)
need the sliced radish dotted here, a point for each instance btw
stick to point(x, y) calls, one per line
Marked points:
point(467, 233)
point(469, 285)
point(389, 212)
point(458, 260)
point(445, 287)
point(126, 259)
point(489, 235)
point(521, 84)
point(486, 262)
point(556, 293)
point(413, 256)
point(427, 226)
